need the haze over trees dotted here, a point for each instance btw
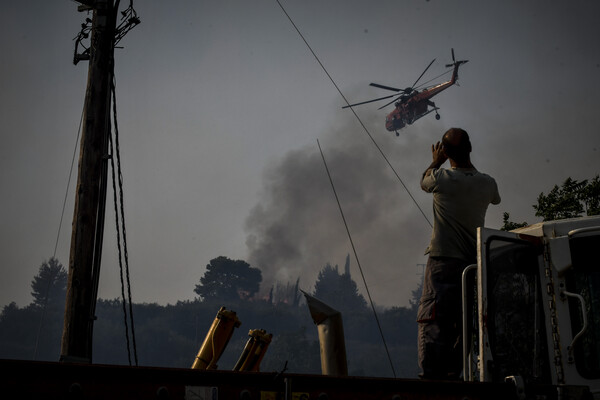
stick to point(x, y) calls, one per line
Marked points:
point(170, 335)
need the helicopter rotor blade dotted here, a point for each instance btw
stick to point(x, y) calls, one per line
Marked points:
point(453, 60)
point(387, 104)
point(385, 87)
point(370, 101)
point(423, 73)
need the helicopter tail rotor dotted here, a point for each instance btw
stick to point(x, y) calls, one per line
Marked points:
point(456, 63)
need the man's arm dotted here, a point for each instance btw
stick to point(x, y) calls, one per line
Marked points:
point(439, 158)
point(496, 197)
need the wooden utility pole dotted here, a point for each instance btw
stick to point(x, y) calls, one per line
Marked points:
point(90, 198)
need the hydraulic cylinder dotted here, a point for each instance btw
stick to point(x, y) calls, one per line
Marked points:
point(216, 339)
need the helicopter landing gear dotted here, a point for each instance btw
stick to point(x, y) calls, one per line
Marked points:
point(437, 116)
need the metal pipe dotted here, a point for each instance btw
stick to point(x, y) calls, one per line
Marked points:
point(331, 337)
point(467, 372)
point(585, 323)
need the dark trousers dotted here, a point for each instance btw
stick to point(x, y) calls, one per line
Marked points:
point(440, 319)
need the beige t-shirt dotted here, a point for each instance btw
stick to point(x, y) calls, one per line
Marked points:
point(460, 200)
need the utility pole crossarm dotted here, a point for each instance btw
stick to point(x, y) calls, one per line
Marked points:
point(86, 5)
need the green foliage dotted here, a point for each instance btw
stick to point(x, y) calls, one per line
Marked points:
point(226, 280)
point(510, 225)
point(560, 202)
point(591, 196)
point(294, 351)
point(22, 336)
point(34, 331)
point(49, 286)
point(171, 335)
point(338, 290)
point(570, 200)
point(17, 331)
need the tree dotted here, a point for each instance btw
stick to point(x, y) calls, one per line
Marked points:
point(590, 196)
point(510, 225)
point(339, 290)
point(49, 286)
point(571, 200)
point(561, 202)
point(288, 294)
point(293, 350)
point(227, 279)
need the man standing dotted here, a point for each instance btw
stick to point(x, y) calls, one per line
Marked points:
point(461, 196)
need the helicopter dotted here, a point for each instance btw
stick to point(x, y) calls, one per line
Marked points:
point(412, 104)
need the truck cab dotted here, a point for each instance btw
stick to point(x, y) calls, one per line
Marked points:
point(534, 314)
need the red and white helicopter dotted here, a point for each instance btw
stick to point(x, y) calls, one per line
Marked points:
point(412, 104)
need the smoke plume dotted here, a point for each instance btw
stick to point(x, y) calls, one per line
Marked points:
point(297, 228)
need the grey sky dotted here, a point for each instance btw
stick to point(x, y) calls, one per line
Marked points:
point(221, 104)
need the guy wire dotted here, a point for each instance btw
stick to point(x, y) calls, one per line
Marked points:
point(62, 214)
point(357, 261)
point(354, 112)
point(122, 212)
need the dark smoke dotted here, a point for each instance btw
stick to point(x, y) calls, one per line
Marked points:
point(297, 227)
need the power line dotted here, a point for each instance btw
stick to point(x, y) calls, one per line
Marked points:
point(333, 187)
point(357, 261)
point(62, 214)
point(119, 206)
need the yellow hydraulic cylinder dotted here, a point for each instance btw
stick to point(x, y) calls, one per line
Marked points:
point(216, 339)
point(254, 351)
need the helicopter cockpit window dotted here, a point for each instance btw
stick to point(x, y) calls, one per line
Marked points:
point(584, 279)
point(516, 330)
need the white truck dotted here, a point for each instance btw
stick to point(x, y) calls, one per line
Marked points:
point(535, 316)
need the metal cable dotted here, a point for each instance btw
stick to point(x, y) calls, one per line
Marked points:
point(357, 261)
point(356, 115)
point(122, 214)
point(331, 181)
point(62, 214)
point(112, 162)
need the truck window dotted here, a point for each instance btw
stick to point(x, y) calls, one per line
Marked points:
point(584, 279)
point(515, 315)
